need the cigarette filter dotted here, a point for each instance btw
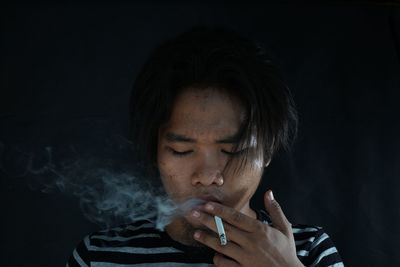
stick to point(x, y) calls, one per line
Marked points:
point(221, 230)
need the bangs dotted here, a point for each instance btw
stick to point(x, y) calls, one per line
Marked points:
point(223, 59)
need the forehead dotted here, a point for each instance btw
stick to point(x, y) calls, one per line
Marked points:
point(202, 111)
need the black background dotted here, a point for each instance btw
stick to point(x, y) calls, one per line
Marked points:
point(67, 70)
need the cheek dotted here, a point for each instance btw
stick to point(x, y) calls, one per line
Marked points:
point(250, 174)
point(166, 165)
point(169, 183)
point(172, 184)
point(172, 170)
point(174, 176)
point(245, 182)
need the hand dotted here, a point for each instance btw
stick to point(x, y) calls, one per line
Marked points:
point(250, 241)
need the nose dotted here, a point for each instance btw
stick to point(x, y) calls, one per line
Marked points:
point(208, 171)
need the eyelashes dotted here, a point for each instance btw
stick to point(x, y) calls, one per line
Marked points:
point(180, 154)
point(186, 153)
point(236, 153)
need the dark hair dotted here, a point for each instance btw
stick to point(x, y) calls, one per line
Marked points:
point(204, 57)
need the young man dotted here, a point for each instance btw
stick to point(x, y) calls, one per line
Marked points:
point(209, 110)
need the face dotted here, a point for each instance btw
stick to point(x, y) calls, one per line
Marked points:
point(195, 145)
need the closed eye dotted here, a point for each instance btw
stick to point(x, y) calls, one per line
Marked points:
point(235, 153)
point(185, 153)
point(180, 153)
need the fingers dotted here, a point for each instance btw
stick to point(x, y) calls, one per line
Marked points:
point(232, 217)
point(232, 233)
point(231, 249)
point(279, 220)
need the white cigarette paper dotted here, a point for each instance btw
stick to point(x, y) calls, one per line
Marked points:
point(221, 230)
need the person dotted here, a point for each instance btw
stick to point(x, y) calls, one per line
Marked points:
point(209, 110)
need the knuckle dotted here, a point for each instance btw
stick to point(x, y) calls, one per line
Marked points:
point(259, 227)
point(289, 230)
point(236, 217)
point(218, 209)
point(276, 205)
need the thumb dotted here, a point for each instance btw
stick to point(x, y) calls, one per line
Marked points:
point(279, 220)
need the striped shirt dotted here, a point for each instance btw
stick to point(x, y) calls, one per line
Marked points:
point(141, 244)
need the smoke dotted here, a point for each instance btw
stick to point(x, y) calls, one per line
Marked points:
point(110, 186)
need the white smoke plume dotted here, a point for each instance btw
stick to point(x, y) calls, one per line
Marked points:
point(110, 187)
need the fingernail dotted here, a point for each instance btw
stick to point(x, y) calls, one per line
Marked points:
point(271, 196)
point(196, 235)
point(209, 206)
point(195, 214)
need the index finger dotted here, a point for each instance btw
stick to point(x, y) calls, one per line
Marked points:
point(232, 216)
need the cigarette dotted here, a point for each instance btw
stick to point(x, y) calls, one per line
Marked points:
point(221, 230)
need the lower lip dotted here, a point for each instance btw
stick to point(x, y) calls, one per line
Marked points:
point(212, 200)
point(215, 201)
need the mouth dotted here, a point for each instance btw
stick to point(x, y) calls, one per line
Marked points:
point(197, 202)
point(210, 198)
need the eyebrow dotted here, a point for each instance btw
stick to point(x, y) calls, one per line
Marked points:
point(174, 137)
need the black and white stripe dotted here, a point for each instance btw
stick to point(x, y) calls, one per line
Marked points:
point(140, 244)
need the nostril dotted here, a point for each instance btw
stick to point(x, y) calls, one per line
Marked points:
point(208, 178)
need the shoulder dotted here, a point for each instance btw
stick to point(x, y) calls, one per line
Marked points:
point(115, 243)
point(314, 247)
